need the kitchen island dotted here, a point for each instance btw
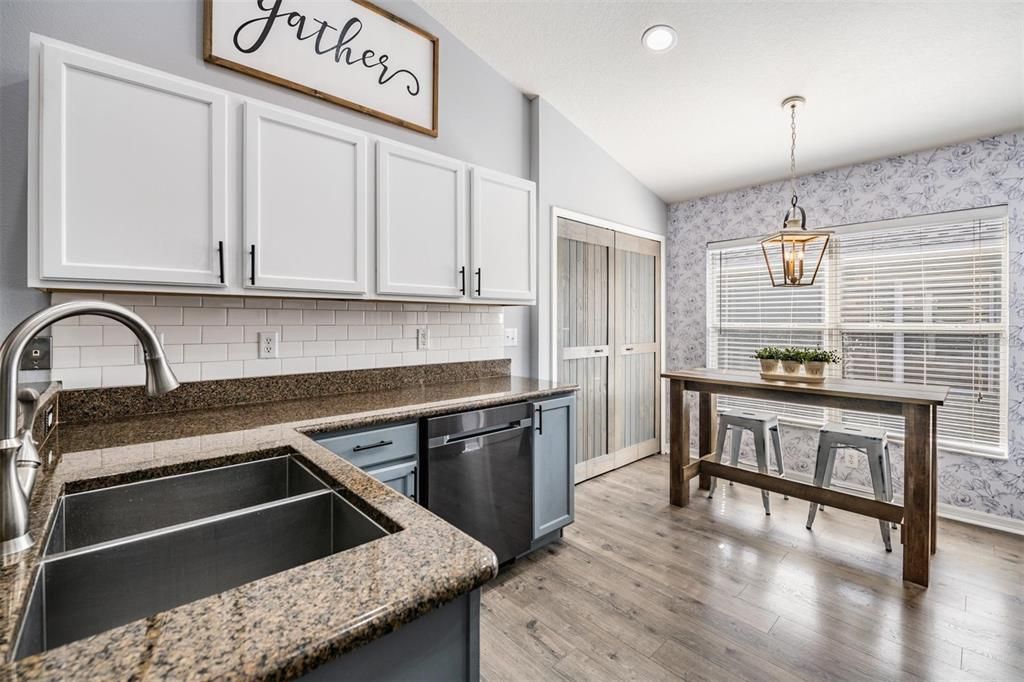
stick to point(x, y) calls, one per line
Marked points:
point(304, 619)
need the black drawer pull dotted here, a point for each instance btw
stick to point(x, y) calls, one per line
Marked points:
point(383, 443)
point(540, 420)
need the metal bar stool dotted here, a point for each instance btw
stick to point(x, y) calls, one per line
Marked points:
point(764, 426)
point(870, 441)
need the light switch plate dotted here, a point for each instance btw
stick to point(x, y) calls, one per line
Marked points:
point(37, 354)
point(511, 336)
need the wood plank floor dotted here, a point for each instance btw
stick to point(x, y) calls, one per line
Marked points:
point(718, 591)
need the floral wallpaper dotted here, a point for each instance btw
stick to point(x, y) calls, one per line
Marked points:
point(981, 173)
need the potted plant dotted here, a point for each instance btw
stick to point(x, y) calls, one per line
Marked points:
point(792, 359)
point(817, 359)
point(769, 357)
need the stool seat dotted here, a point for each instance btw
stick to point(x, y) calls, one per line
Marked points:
point(764, 426)
point(874, 443)
point(852, 432)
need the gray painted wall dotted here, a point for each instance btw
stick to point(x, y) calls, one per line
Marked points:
point(484, 119)
point(573, 173)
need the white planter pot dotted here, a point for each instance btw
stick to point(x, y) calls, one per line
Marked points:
point(769, 366)
point(791, 367)
point(815, 369)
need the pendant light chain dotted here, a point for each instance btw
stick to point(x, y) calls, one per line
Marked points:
point(792, 149)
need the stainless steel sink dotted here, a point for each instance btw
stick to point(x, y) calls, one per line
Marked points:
point(126, 552)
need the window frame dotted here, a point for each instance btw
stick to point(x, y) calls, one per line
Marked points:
point(832, 330)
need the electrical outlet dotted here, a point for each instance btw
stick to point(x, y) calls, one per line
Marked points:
point(422, 338)
point(268, 344)
point(37, 354)
point(511, 336)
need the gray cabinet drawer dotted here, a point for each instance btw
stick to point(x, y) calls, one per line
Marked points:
point(400, 476)
point(373, 447)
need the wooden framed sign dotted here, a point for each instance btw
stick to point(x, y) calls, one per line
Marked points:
point(349, 52)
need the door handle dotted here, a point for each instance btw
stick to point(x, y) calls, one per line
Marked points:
point(462, 276)
point(479, 280)
point(220, 258)
point(383, 443)
point(540, 420)
point(252, 264)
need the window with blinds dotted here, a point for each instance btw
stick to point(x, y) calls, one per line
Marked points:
point(914, 301)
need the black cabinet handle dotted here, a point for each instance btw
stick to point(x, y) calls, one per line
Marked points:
point(252, 264)
point(628, 348)
point(479, 281)
point(462, 275)
point(220, 258)
point(540, 420)
point(360, 448)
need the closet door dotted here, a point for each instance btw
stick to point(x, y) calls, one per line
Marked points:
point(585, 262)
point(132, 179)
point(305, 203)
point(636, 361)
point(421, 223)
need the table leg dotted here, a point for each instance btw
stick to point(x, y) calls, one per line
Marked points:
point(679, 443)
point(706, 417)
point(917, 493)
point(935, 477)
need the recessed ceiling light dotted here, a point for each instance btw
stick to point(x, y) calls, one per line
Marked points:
point(659, 38)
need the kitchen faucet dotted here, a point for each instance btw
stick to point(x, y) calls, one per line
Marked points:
point(19, 458)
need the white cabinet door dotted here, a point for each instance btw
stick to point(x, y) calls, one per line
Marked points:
point(503, 237)
point(132, 178)
point(305, 203)
point(421, 223)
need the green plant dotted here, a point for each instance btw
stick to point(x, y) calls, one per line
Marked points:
point(792, 354)
point(768, 353)
point(821, 355)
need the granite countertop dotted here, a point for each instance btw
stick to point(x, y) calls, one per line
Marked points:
point(290, 622)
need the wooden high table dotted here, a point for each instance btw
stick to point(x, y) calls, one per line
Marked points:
point(917, 404)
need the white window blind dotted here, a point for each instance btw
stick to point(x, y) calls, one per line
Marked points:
point(920, 301)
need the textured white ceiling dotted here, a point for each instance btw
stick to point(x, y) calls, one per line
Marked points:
point(880, 78)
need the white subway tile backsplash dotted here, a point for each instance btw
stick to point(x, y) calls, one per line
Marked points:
point(261, 368)
point(222, 334)
point(77, 336)
point(298, 365)
point(283, 317)
point(221, 370)
point(128, 375)
point(244, 316)
point(362, 332)
point(317, 317)
point(317, 348)
point(205, 316)
point(243, 351)
point(214, 337)
point(180, 334)
point(206, 352)
point(154, 315)
point(103, 356)
point(331, 333)
point(331, 363)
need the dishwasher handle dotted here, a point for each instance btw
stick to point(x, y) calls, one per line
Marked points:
point(449, 439)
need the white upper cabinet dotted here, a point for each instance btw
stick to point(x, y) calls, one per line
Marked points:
point(305, 203)
point(132, 180)
point(421, 223)
point(503, 237)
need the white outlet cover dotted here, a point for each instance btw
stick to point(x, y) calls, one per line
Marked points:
point(267, 344)
point(511, 336)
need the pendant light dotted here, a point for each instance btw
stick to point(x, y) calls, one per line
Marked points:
point(794, 255)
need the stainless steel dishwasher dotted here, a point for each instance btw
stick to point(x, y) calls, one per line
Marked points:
point(478, 475)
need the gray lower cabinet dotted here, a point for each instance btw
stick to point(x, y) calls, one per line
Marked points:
point(389, 454)
point(554, 457)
